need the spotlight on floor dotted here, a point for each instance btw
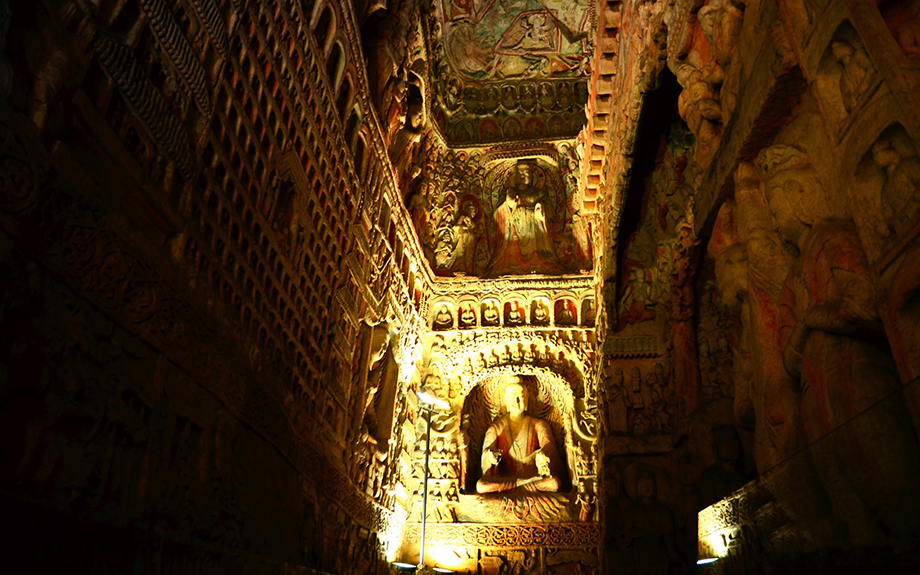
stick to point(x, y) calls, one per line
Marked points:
point(404, 566)
point(707, 561)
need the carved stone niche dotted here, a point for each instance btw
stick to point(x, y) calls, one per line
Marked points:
point(847, 77)
point(902, 18)
point(551, 403)
point(587, 312)
point(490, 313)
point(539, 311)
point(887, 182)
point(564, 312)
point(442, 316)
point(514, 313)
point(466, 316)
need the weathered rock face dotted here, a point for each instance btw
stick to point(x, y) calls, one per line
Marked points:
point(799, 150)
point(192, 248)
point(238, 237)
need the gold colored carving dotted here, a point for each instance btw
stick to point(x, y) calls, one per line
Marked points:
point(560, 535)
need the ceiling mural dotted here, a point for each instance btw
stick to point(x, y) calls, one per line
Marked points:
point(491, 214)
point(509, 70)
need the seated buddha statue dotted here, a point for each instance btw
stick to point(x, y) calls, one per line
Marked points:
point(518, 451)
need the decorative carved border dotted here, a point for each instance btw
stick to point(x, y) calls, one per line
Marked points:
point(466, 285)
point(558, 535)
point(584, 376)
point(630, 346)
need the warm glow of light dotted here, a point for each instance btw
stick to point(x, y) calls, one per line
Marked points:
point(720, 526)
point(431, 400)
point(448, 558)
point(391, 538)
point(719, 541)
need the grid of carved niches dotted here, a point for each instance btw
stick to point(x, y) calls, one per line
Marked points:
point(239, 247)
point(513, 309)
point(249, 105)
point(240, 216)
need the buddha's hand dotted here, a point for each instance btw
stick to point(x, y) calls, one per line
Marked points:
point(525, 481)
point(493, 457)
point(543, 464)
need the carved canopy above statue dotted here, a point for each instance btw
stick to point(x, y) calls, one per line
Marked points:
point(505, 70)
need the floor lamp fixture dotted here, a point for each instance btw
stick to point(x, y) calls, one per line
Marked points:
point(427, 403)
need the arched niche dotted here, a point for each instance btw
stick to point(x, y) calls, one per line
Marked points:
point(549, 397)
point(475, 354)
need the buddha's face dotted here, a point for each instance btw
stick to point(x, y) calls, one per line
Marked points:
point(540, 313)
point(514, 399)
point(791, 194)
point(524, 174)
point(645, 487)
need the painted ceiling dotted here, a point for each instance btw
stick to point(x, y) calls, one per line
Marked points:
point(509, 70)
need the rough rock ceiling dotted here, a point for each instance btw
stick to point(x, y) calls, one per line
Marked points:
point(509, 70)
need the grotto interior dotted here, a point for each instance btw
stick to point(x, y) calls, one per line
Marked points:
point(655, 261)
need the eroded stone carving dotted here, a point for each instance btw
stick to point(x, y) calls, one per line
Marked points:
point(899, 164)
point(828, 298)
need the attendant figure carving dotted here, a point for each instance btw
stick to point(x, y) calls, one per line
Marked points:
point(646, 537)
point(518, 450)
point(404, 145)
point(636, 400)
point(835, 349)
point(856, 70)
point(636, 302)
point(467, 230)
point(902, 180)
point(617, 403)
point(903, 20)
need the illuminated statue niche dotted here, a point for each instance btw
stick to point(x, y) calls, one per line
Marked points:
point(519, 451)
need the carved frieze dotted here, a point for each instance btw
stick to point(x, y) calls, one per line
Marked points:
point(561, 535)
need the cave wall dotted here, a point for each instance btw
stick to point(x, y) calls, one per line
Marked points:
point(802, 226)
point(196, 230)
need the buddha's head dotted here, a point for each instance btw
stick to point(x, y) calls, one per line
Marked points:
point(515, 398)
point(645, 485)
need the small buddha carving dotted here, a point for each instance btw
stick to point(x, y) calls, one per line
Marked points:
point(443, 319)
point(490, 313)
